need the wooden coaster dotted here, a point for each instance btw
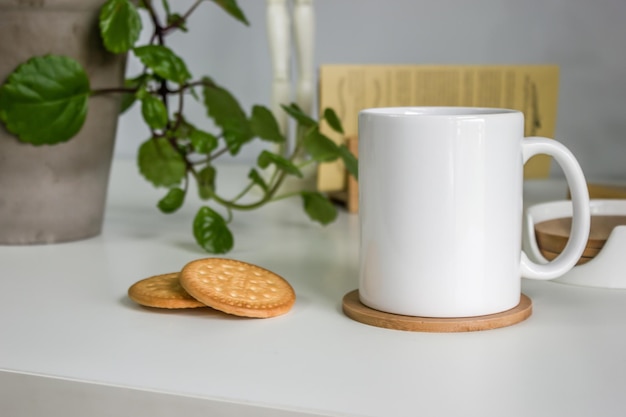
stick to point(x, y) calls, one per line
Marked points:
point(552, 235)
point(550, 256)
point(356, 310)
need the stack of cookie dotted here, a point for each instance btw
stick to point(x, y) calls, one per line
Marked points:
point(231, 286)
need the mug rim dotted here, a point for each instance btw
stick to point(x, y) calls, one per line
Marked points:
point(437, 111)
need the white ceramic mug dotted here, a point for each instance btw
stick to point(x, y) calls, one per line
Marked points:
point(441, 210)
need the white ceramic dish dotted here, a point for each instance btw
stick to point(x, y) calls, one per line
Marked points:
point(608, 268)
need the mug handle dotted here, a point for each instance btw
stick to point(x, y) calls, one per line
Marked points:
point(581, 218)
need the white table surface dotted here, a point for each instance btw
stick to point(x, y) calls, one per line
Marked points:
point(73, 344)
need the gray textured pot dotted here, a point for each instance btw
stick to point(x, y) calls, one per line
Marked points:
point(57, 193)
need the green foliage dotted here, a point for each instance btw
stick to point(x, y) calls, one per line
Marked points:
point(264, 125)
point(320, 147)
point(161, 164)
point(318, 207)
point(212, 232)
point(172, 201)
point(203, 142)
point(257, 179)
point(154, 112)
point(163, 62)
point(267, 158)
point(349, 160)
point(120, 25)
point(332, 120)
point(51, 89)
point(54, 90)
point(226, 112)
point(301, 117)
point(206, 182)
point(133, 85)
point(231, 7)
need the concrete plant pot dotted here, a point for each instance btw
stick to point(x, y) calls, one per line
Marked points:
point(56, 193)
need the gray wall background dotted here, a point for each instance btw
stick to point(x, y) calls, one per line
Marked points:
point(586, 38)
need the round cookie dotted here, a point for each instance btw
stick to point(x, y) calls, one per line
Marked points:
point(238, 288)
point(162, 291)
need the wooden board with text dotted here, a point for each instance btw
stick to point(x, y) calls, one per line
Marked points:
point(532, 89)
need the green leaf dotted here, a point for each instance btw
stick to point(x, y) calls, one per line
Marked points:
point(211, 231)
point(333, 120)
point(350, 161)
point(300, 116)
point(266, 158)
point(320, 147)
point(163, 62)
point(128, 99)
point(194, 94)
point(264, 125)
point(231, 7)
point(44, 101)
point(177, 21)
point(120, 25)
point(160, 163)
point(206, 182)
point(172, 201)
point(225, 111)
point(318, 207)
point(258, 179)
point(235, 140)
point(153, 111)
point(183, 128)
point(203, 142)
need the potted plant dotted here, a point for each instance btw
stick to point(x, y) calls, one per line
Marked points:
point(56, 193)
point(45, 101)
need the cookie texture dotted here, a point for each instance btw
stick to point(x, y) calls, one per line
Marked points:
point(237, 287)
point(162, 291)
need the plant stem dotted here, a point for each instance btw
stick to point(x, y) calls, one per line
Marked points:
point(275, 182)
point(251, 206)
point(217, 154)
point(306, 163)
point(179, 115)
point(158, 28)
point(182, 20)
point(244, 191)
point(100, 91)
point(230, 215)
point(193, 84)
point(286, 195)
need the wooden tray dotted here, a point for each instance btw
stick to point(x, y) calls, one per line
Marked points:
point(356, 310)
